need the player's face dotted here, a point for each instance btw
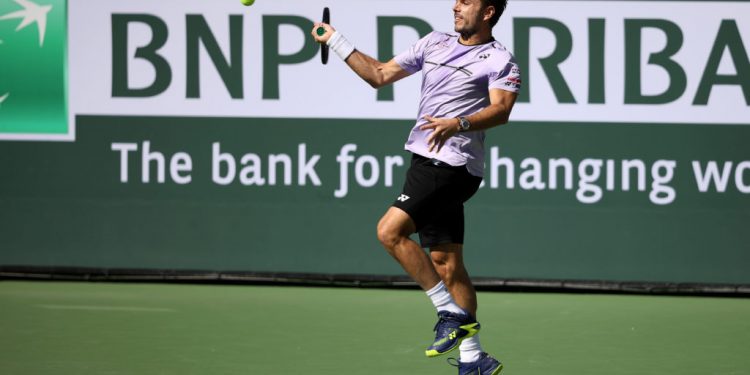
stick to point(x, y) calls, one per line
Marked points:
point(467, 16)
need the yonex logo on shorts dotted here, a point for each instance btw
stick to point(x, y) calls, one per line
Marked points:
point(402, 198)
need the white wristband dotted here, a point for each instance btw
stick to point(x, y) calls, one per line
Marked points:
point(340, 45)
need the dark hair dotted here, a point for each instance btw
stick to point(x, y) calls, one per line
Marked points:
point(499, 9)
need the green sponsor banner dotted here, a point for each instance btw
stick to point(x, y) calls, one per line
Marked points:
point(209, 137)
point(32, 69)
point(304, 195)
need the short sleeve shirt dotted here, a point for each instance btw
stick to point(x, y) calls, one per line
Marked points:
point(456, 80)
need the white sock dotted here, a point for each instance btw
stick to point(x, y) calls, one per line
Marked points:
point(470, 349)
point(442, 299)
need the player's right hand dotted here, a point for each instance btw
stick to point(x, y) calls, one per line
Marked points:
point(327, 35)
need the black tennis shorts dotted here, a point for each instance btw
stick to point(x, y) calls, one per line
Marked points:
point(434, 194)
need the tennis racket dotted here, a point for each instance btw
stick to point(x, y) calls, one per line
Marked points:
point(321, 31)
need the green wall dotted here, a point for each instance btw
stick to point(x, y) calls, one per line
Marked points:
point(64, 204)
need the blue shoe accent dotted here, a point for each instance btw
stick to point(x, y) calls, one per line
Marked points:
point(450, 330)
point(485, 365)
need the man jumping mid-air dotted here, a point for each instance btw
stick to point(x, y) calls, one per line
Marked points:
point(469, 84)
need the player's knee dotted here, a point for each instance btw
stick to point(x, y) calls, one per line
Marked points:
point(388, 236)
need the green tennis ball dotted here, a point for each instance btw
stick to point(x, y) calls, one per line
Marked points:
point(247, 3)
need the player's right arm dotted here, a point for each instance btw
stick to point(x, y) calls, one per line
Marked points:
point(374, 72)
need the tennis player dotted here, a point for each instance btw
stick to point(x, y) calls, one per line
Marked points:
point(469, 84)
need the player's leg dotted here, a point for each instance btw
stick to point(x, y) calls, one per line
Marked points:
point(411, 210)
point(394, 230)
point(414, 209)
point(449, 264)
point(444, 236)
point(448, 261)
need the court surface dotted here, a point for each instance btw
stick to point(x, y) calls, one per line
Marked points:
point(103, 328)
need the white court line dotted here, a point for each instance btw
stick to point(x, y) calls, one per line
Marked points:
point(106, 308)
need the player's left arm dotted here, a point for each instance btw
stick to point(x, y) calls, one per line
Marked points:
point(495, 114)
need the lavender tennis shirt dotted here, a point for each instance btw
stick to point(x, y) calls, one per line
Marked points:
point(456, 80)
